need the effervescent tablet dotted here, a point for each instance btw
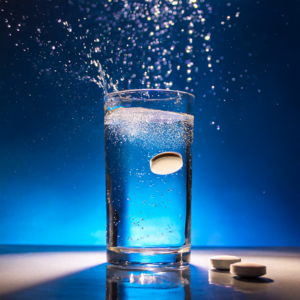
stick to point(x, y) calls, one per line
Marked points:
point(166, 163)
point(223, 262)
point(248, 269)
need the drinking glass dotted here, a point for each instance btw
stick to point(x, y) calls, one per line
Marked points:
point(148, 158)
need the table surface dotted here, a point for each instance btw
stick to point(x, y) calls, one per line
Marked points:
point(62, 272)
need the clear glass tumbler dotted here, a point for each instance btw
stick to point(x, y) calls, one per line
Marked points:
point(148, 157)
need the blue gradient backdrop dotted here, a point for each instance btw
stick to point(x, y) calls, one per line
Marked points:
point(245, 177)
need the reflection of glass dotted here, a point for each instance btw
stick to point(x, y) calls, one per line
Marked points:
point(124, 283)
point(148, 212)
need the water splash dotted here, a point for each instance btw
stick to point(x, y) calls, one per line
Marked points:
point(120, 44)
point(126, 44)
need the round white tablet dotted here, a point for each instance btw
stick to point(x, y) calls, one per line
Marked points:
point(248, 269)
point(166, 163)
point(223, 262)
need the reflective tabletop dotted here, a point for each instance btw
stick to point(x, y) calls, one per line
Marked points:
point(54, 272)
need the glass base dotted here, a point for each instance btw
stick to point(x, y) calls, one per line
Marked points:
point(150, 257)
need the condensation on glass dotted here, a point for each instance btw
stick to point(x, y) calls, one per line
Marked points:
point(148, 211)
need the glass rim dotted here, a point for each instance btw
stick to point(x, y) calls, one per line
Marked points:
point(112, 94)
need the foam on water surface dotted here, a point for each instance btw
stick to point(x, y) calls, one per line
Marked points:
point(140, 114)
point(149, 125)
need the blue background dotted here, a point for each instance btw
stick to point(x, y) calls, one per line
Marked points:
point(245, 176)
